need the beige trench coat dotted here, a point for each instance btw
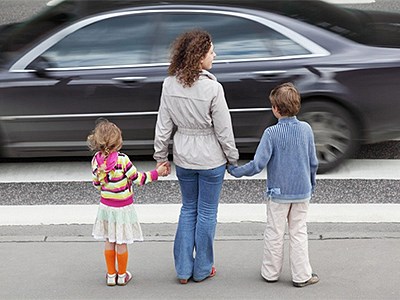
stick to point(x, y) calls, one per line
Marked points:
point(204, 137)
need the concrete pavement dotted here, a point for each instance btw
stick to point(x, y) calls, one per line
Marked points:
point(354, 261)
point(47, 251)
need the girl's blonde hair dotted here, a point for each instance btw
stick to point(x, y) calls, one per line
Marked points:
point(187, 52)
point(106, 137)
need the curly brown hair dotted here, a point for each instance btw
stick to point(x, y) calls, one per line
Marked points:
point(286, 99)
point(187, 52)
point(106, 137)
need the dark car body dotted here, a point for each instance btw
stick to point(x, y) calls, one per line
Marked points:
point(81, 60)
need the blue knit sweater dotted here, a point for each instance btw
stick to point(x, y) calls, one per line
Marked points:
point(287, 150)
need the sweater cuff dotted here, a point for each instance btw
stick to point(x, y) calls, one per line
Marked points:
point(154, 175)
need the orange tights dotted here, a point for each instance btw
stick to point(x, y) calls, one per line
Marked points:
point(122, 257)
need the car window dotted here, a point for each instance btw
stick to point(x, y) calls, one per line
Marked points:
point(122, 40)
point(234, 38)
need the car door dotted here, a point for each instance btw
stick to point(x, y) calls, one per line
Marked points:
point(98, 67)
point(252, 58)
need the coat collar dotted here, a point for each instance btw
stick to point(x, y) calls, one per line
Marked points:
point(288, 120)
point(206, 74)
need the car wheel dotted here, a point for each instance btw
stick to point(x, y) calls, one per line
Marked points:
point(335, 132)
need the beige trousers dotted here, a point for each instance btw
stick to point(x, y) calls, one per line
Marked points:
point(296, 216)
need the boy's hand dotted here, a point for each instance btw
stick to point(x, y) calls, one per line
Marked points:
point(230, 168)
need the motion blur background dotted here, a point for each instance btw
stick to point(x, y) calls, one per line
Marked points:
point(12, 11)
point(18, 10)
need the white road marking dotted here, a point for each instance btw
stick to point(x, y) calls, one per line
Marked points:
point(80, 171)
point(349, 1)
point(168, 213)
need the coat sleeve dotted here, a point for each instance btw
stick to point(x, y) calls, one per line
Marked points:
point(163, 131)
point(221, 119)
point(261, 158)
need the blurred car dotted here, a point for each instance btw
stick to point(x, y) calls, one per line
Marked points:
point(80, 60)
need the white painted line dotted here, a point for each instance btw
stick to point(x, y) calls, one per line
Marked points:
point(357, 213)
point(45, 172)
point(80, 171)
point(349, 1)
point(366, 169)
point(168, 213)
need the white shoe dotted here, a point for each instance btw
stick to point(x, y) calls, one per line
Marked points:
point(314, 279)
point(111, 279)
point(124, 279)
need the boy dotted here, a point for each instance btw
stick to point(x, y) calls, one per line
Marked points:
point(287, 150)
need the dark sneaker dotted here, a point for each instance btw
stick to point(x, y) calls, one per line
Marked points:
point(314, 279)
point(124, 279)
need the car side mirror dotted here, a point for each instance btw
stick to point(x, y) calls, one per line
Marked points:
point(40, 66)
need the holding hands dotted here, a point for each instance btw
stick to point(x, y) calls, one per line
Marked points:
point(230, 168)
point(163, 168)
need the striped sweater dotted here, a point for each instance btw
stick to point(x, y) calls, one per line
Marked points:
point(287, 150)
point(114, 177)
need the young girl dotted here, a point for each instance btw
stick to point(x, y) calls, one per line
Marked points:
point(113, 175)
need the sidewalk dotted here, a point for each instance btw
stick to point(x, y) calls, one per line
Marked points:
point(354, 261)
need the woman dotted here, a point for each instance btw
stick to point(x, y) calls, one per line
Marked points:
point(193, 101)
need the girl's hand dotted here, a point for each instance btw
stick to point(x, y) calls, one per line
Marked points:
point(163, 169)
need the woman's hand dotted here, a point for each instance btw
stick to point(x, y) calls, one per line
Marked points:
point(163, 168)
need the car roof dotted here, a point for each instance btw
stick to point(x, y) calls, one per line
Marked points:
point(345, 22)
point(292, 8)
point(62, 13)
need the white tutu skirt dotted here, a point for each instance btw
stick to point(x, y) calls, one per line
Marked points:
point(117, 224)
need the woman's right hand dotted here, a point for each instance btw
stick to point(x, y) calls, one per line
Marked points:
point(163, 168)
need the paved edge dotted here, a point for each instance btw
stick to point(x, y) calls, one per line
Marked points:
point(168, 213)
point(225, 232)
point(80, 171)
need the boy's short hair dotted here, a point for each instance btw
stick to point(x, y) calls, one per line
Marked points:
point(286, 99)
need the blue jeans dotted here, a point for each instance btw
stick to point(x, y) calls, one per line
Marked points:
point(193, 246)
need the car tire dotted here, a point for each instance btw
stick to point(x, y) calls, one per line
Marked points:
point(336, 133)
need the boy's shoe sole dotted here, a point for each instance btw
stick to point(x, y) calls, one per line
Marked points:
point(314, 279)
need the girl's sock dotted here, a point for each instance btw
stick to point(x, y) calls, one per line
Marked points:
point(110, 261)
point(122, 262)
